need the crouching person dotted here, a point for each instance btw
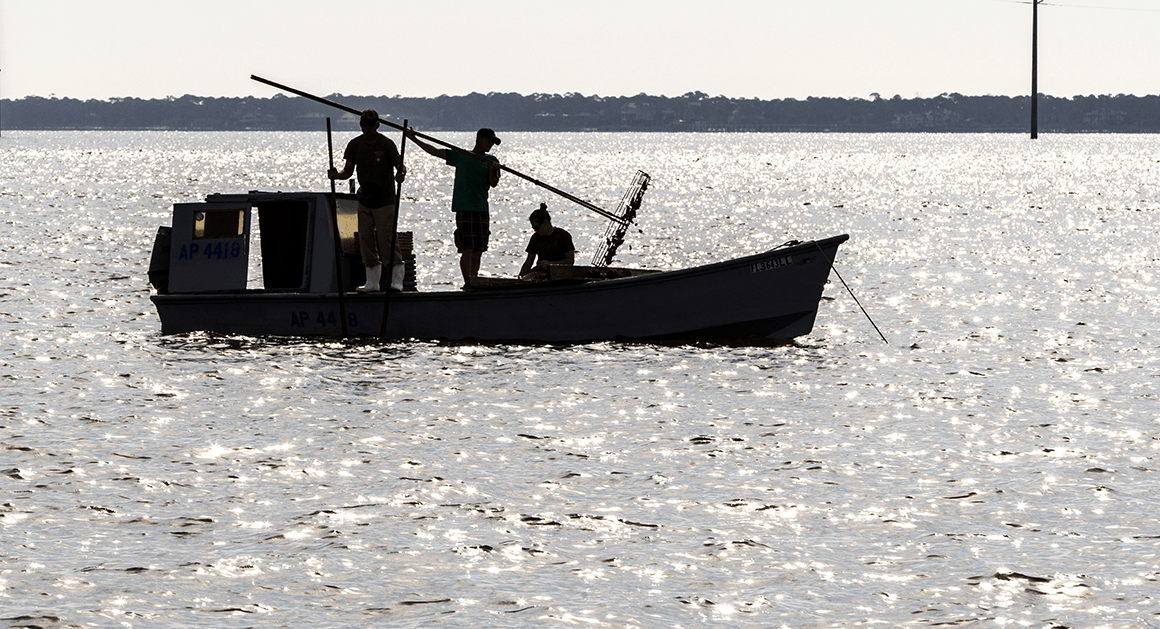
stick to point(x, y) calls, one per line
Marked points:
point(548, 245)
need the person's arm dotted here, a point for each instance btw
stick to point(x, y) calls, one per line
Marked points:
point(441, 153)
point(569, 259)
point(493, 176)
point(400, 168)
point(527, 264)
point(345, 173)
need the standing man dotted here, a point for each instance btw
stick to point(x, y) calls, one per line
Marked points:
point(375, 158)
point(473, 179)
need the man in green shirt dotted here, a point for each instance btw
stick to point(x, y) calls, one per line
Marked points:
point(474, 177)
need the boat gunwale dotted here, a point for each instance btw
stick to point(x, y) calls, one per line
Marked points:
point(547, 289)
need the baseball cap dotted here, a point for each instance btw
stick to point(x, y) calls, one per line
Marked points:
point(487, 133)
point(369, 117)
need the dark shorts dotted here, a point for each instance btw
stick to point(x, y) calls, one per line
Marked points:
point(471, 231)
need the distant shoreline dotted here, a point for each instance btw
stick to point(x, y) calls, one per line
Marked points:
point(1042, 131)
point(693, 112)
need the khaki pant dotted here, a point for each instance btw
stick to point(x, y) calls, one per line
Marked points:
point(376, 227)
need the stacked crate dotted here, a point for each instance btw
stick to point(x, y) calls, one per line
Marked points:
point(405, 242)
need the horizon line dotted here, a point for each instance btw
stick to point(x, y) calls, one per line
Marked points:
point(53, 96)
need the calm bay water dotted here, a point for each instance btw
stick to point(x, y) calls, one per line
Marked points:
point(994, 465)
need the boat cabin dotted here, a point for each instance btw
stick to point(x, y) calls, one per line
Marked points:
point(209, 247)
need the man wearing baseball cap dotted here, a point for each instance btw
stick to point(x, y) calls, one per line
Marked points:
point(376, 159)
point(475, 175)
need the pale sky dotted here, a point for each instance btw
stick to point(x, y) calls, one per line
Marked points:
point(100, 49)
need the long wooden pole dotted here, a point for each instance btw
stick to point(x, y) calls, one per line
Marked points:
point(356, 112)
point(334, 226)
point(1035, 68)
point(394, 235)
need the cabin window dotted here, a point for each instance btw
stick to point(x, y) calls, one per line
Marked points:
point(348, 225)
point(219, 224)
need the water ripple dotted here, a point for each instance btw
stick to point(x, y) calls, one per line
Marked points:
point(995, 464)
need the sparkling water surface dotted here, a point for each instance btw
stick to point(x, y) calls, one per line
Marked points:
point(994, 464)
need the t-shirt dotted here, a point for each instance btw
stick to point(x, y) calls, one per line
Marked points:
point(375, 166)
point(551, 248)
point(472, 181)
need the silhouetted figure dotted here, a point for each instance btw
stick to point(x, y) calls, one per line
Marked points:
point(473, 179)
point(549, 245)
point(375, 158)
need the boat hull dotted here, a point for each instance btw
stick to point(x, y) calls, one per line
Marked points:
point(769, 296)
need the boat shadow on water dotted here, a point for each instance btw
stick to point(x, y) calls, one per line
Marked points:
point(390, 349)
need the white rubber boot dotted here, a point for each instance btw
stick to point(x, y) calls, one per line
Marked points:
point(373, 274)
point(397, 272)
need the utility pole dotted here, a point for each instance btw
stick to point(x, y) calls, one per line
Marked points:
point(1035, 68)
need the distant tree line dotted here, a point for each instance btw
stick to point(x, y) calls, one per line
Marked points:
point(695, 111)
